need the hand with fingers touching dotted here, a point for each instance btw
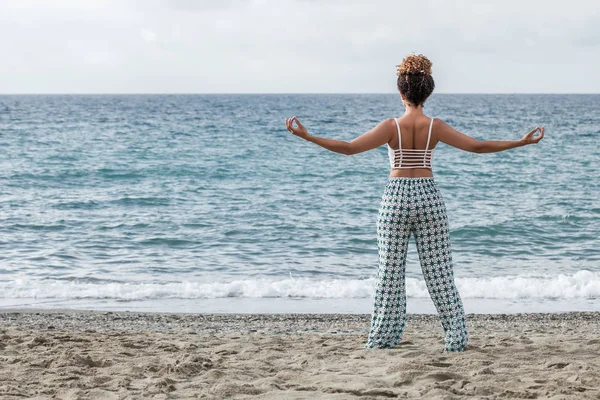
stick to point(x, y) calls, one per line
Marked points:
point(530, 139)
point(298, 130)
point(374, 138)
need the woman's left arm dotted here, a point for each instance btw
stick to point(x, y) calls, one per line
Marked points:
point(376, 137)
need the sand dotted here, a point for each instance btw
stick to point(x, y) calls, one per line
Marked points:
point(122, 355)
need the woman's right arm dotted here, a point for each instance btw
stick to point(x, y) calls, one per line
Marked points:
point(446, 134)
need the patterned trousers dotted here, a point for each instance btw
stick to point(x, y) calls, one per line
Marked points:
point(414, 205)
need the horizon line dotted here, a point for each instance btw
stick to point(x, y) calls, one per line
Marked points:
point(279, 93)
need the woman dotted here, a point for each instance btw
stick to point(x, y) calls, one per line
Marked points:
point(412, 203)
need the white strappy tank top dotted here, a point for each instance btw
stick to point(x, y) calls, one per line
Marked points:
point(410, 158)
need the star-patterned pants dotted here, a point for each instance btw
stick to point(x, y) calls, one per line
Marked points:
point(414, 206)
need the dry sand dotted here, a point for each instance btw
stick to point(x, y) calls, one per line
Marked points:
point(97, 355)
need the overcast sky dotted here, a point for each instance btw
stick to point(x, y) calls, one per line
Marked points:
point(283, 46)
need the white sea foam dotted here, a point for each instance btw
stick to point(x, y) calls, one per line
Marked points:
point(580, 285)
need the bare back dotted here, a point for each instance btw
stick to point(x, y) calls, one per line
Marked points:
point(414, 131)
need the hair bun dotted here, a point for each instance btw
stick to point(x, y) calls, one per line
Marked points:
point(414, 64)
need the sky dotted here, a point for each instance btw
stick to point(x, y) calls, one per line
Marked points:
point(296, 46)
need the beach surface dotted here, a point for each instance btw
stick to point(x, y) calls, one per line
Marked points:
point(66, 354)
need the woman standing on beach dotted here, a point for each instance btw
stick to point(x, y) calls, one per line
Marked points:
point(413, 204)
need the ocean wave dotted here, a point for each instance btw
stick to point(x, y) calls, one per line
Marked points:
point(583, 284)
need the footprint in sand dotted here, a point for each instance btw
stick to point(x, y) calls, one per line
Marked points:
point(439, 364)
point(88, 361)
point(484, 371)
point(557, 365)
point(442, 376)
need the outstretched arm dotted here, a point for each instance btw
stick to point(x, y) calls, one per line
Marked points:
point(445, 133)
point(376, 137)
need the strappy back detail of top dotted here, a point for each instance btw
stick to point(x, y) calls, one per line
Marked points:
point(410, 158)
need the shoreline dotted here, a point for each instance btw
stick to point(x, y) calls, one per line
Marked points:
point(80, 354)
point(132, 321)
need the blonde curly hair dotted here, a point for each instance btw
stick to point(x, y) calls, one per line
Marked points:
point(414, 64)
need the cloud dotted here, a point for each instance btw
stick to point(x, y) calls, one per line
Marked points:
point(294, 45)
point(147, 35)
point(203, 5)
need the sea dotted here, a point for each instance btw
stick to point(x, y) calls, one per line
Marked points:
point(207, 204)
